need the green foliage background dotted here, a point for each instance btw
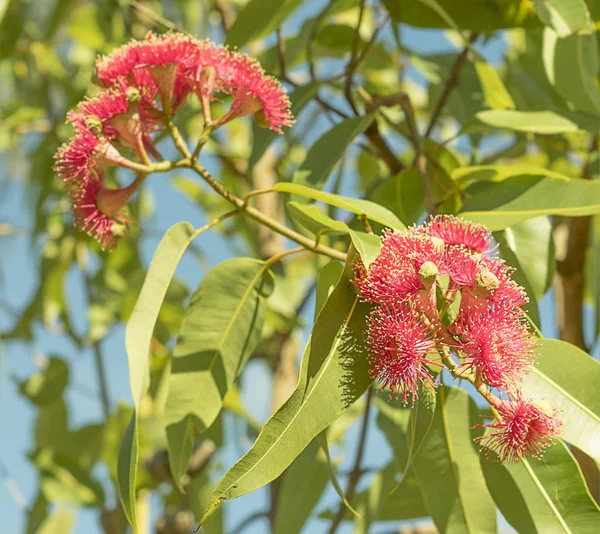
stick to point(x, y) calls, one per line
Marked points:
point(385, 133)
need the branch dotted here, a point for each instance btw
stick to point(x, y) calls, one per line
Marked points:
point(451, 83)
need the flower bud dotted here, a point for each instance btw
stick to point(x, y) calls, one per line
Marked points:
point(133, 95)
point(428, 273)
point(486, 281)
point(94, 125)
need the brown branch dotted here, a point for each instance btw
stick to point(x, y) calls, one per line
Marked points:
point(451, 83)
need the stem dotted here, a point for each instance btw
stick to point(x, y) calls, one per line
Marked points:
point(451, 83)
point(260, 217)
point(356, 472)
point(101, 377)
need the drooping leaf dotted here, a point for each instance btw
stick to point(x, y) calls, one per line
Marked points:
point(566, 377)
point(371, 210)
point(138, 337)
point(324, 154)
point(448, 471)
point(220, 330)
point(367, 245)
point(466, 176)
point(547, 494)
point(517, 199)
point(314, 220)
point(303, 484)
point(60, 522)
point(333, 376)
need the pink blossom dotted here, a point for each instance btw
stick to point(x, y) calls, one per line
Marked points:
point(394, 275)
point(399, 342)
point(524, 430)
point(497, 344)
point(455, 231)
point(461, 266)
point(100, 211)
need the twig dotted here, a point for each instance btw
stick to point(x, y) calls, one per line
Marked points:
point(101, 377)
point(357, 471)
point(351, 67)
point(451, 83)
point(145, 10)
point(281, 53)
point(313, 33)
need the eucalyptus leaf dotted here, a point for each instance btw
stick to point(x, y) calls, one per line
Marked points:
point(220, 330)
point(333, 376)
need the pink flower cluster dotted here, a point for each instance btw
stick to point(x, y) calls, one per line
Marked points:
point(442, 297)
point(145, 83)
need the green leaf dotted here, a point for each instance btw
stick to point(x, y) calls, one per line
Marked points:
point(324, 154)
point(517, 199)
point(328, 278)
point(448, 471)
point(220, 330)
point(529, 247)
point(540, 122)
point(263, 137)
point(368, 246)
point(333, 375)
point(46, 386)
point(467, 14)
point(564, 16)
point(255, 17)
point(138, 336)
point(571, 65)
point(322, 439)
point(465, 176)
point(567, 378)
point(60, 522)
point(371, 210)
point(127, 470)
point(314, 220)
point(494, 92)
point(303, 484)
point(548, 494)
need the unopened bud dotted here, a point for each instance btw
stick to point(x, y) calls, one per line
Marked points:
point(428, 273)
point(487, 281)
point(94, 124)
point(260, 119)
point(133, 95)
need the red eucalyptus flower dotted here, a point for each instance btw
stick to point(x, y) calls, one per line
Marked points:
point(525, 429)
point(399, 342)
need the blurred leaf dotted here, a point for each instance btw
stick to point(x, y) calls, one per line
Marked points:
point(255, 17)
point(199, 491)
point(127, 470)
point(465, 176)
point(371, 210)
point(220, 330)
point(566, 377)
point(333, 376)
point(60, 522)
point(571, 65)
point(410, 195)
point(564, 16)
point(46, 386)
point(468, 15)
point(540, 122)
point(495, 93)
point(303, 484)
point(448, 471)
point(37, 514)
point(262, 137)
point(64, 481)
point(324, 154)
point(517, 199)
point(554, 493)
